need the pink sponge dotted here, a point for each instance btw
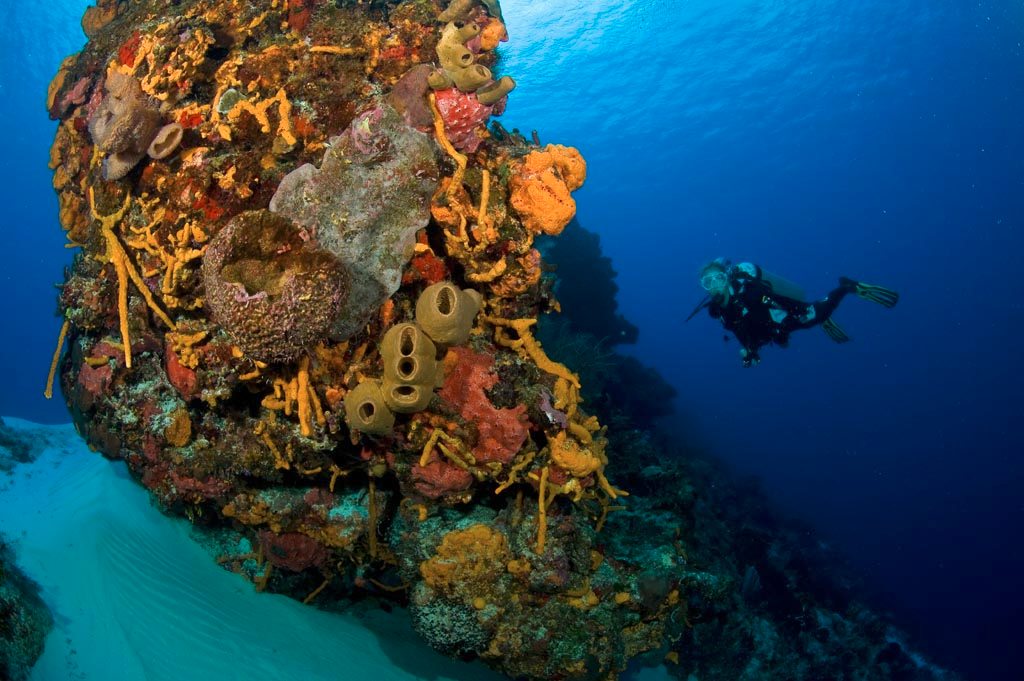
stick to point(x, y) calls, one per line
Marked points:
point(463, 114)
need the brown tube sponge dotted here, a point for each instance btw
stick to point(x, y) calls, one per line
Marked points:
point(451, 49)
point(406, 398)
point(470, 78)
point(489, 94)
point(456, 10)
point(439, 80)
point(166, 141)
point(411, 369)
point(366, 411)
point(409, 356)
point(446, 312)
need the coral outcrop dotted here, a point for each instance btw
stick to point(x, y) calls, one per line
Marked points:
point(26, 619)
point(307, 323)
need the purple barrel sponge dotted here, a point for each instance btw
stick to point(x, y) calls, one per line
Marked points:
point(271, 289)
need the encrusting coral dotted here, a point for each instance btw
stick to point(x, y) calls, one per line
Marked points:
point(311, 328)
point(365, 204)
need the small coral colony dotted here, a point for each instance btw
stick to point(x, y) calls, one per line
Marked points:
point(303, 306)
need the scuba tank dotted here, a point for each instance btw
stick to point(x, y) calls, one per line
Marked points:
point(781, 287)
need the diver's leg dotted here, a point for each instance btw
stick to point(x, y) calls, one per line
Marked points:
point(820, 313)
point(826, 306)
point(817, 312)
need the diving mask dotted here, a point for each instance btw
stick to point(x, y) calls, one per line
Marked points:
point(713, 281)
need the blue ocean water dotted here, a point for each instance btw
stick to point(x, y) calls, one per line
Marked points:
point(818, 138)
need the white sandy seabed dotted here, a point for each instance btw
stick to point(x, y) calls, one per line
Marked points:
point(134, 598)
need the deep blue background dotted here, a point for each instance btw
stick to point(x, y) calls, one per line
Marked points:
point(877, 140)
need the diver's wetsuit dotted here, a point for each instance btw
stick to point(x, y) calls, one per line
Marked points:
point(757, 316)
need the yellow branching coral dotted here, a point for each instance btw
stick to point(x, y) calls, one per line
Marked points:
point(260, 112)
point(262, 429)
point(542, 511)
point(442, 139)
point(48, 393)
point(452, 447)
point(174, 257)
point(183, 345)
point(170, 76)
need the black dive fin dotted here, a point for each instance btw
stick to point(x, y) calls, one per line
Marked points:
point(878, 294)
point(885, 297)
point(833, 331)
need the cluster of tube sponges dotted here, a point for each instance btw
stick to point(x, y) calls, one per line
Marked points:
point(444, 317)
point(127, 126)
point(459, 65)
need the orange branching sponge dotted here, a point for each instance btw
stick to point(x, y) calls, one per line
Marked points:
point(575, 459)
point(541, 188)
point(125, 270)
point(528, 346)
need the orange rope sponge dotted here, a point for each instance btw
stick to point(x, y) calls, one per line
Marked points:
point(48, 393)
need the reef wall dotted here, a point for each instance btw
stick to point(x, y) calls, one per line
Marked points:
point(302, 311)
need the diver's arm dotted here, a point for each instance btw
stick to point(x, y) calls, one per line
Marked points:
point(748, 345)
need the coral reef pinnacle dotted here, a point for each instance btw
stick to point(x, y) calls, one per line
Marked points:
point(307, 322)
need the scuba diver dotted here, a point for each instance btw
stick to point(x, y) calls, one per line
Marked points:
point(761, 308)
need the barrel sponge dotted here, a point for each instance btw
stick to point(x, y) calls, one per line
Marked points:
point(410, 357)
point(273, 291)
point(446, 312)
point(366, 411)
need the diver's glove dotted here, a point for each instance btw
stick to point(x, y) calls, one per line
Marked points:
point(749, 357)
